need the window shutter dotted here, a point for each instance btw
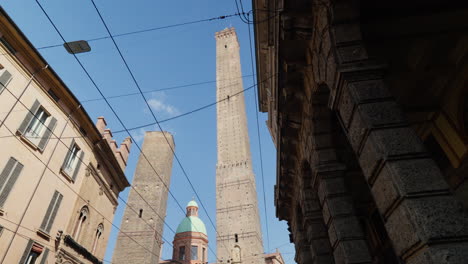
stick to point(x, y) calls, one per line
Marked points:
point(26, 252)
point(45, 137)
point(44, 256)
point(32, 111)
point(8, 178)
point(68, 154)
point(5, 77)
point(54, 212)
point(78, 165)
point(49, 211)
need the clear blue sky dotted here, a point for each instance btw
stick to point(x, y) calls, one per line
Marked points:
point(159, 59)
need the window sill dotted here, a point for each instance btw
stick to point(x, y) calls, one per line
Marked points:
point(28, 141)
point(43, 234)
point(66, 175)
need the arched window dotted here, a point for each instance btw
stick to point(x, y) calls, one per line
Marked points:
point(236, 254)
point(97, 236)
point(79, 223)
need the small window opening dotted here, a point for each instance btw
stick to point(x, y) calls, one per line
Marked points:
point(141, 213)
point(236, 237)
point(225, 46)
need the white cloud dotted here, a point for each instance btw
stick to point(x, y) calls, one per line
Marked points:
point(160, 105)
point(139, 134)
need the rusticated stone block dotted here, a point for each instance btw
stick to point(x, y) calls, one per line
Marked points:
point(391, 142)
point(316, 230)
point(437, 217)
point(441, 254)
point(320, 247)
point(384, 190)
point(336, 206)
point(397, 141)
point(324, 156)
point(324, 259)
point(323, 141)
point(331, 186)
point(346, 107)
point(364, 91)
point(344, 228)
point(424, 219)
point(347, 32)
point(405, 177)
point(356, 133)
point(351, 53)
point(352, 251)
point(381, 114)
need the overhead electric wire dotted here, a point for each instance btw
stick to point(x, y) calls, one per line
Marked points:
point(87, 166)
point(148, 30)
point(78, 195)
point(164, 120)
point(51, 247)
point(112, 109)
point(155, 118)
point(259, 140)
point(123, 125)
point(155, 90)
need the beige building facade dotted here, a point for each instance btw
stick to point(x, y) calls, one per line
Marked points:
point(60, 174)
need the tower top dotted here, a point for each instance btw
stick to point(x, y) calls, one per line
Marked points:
point(226, 33)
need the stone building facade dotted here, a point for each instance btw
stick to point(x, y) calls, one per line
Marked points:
point(367, 106)
point(239, 235)
point(143, 220)
point(60, 174)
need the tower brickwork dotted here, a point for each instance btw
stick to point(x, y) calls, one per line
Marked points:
point(139, 215)
point(239, 238)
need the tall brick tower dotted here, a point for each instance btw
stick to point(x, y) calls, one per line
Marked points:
point(239, 238)
point(151, 188)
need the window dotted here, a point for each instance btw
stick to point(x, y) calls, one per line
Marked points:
point(51, 212)
point(140, 214)
point(79, 223)
point(203, 254)
point(182, 253)
point(97, 235)
point(236, 237)
point(5, 78)
point(37, 126)
point(8, 178)
point(73, 159)
point(194, 253)
point(32, 252)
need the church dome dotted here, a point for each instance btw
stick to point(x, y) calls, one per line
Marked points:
point(191, 223)
point(192, 203)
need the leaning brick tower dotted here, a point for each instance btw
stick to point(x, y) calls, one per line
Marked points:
point(239, 238)
point(137, 219)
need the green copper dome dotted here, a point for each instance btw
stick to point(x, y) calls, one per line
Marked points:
point(191, 224)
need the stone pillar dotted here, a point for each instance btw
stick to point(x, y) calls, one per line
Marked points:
point(345, 233)
point(423, 220)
